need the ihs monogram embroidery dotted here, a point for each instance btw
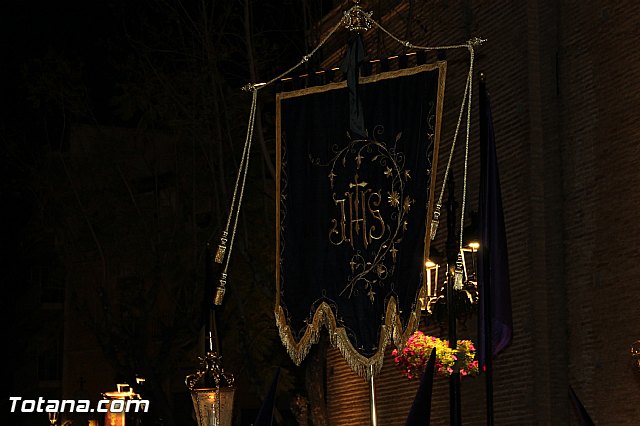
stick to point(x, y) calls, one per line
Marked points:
point(367, 180)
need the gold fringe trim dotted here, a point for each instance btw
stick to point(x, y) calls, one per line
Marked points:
point(390, 330)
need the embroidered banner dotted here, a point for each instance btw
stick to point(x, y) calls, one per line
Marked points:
point(353, 212)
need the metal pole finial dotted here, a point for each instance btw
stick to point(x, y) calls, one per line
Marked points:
point(356, 19)
point(476, 41)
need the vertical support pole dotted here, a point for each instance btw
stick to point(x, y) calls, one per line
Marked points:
point(372, 400)
point(452, 256)
point(488, 343)
point(211, 343)
point(486, 289)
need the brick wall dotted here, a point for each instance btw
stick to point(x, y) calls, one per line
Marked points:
point(602, 155)
point(563, 80)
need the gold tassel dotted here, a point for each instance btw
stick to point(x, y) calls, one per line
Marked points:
point(220, 290)
point(435, 221)
point(222, 248)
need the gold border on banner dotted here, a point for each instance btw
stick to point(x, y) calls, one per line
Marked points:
point(391, 330)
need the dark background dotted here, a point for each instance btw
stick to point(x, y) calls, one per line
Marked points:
point(139, 67)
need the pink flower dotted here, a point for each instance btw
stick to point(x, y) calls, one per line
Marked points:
point(413, 357)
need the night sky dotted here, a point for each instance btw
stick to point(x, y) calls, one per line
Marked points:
point(69, 29)
point(98, 35)
point(83, 47)
point(93, 39)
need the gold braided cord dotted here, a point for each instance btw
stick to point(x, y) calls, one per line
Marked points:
point(453, 145)
point(470, 45)
point(392, 329)
point(413, 46)
point(305, 58)
point(241, 167)
point(234, 211)
point(466, 99)
point(244, 172)
point(466, 145)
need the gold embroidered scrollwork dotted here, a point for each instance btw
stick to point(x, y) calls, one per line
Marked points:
point(387, 207)
point(370, 220)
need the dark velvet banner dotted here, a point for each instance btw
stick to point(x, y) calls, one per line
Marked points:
point(353, 212)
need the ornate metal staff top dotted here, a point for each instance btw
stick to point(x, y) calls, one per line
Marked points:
point(209, 366)
point(356, 19)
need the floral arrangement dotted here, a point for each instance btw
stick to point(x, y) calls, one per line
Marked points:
point(415, 355)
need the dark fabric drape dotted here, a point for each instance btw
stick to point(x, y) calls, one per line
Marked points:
point(352, 210)
point(583, 416)
point(493, 262)
point(420, 412)
point(265, 414)
point(351, 68)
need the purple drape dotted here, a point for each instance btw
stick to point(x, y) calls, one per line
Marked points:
point(493, 263)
